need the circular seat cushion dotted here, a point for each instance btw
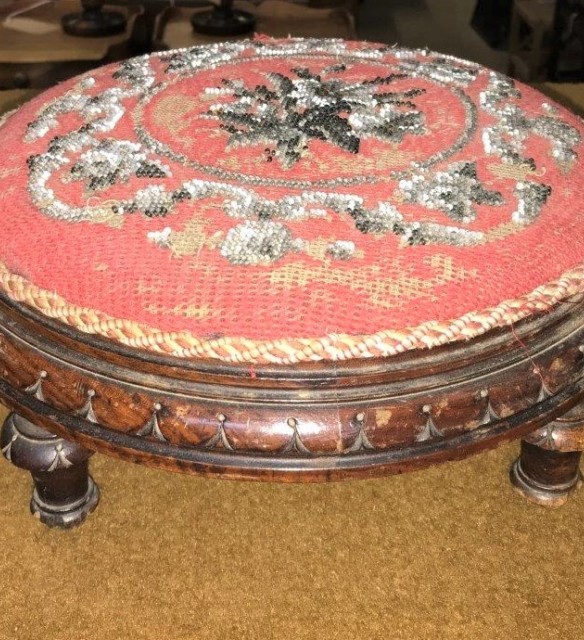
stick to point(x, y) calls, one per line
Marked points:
point(279, 201)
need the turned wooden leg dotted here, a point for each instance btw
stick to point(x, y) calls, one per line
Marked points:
point(93, 21)
point(548, 468)
point(64, 493)
point(223, 20)
point(545, 476)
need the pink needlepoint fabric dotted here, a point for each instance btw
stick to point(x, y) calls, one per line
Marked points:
point(291, 200)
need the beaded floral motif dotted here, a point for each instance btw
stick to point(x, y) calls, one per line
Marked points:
point(113, 161)
point(291, 110)
point(507, 138)
point(287, 112)
point(454, 191)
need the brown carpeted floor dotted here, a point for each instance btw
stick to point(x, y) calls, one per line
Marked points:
point(450, 552)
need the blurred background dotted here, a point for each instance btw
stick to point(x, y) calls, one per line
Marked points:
point(45, 41)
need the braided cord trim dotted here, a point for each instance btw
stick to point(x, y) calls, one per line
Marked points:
point(333, 346)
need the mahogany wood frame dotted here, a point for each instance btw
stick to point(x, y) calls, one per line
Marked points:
point(73, 394)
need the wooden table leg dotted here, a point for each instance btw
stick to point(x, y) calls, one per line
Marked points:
point(223, 20)
point(93, 21)
point(64, 493)
point(548, 468)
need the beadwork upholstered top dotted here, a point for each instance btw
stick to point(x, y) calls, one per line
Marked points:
point(277, 201)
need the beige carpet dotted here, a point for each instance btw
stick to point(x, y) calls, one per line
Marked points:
point(447, 553)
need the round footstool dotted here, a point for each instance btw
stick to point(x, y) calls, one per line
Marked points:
point(292, 260)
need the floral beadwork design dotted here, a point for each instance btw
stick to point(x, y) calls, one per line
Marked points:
point(507, 137)
point(290, 110)
point(114, 161)
point(455, 191)
point(287, 111)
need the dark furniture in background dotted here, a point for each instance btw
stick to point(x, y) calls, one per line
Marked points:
point(547, 38)
point(566, 62)
point(491, 20)
point(90, 33)
point(95, 21)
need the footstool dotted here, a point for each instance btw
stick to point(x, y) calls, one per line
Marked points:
point(291, 260)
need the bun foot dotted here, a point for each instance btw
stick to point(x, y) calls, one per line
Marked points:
point(60, 511)
point(64, 493)
point(544, 476)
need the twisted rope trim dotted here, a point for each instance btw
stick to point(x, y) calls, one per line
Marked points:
point(334, 346)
